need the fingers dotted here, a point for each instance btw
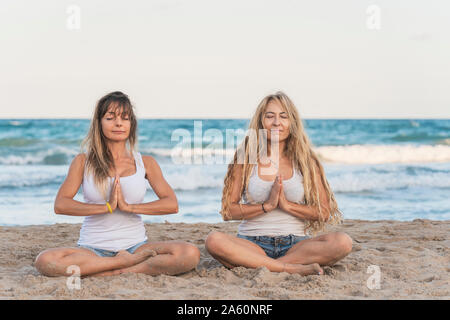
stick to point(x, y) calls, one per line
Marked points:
point(119, 188)
point(278, 179)
point(116, 181)
point(281, 191)
point(279, 182)
point(116, 190)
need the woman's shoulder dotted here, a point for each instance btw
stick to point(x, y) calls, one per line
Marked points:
point(79, 159)
point(79, 162)
point(147, 158)
point(78, 165)
point(149, 162)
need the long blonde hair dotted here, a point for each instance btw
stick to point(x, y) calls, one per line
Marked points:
point(298, 150)
point(99, 158)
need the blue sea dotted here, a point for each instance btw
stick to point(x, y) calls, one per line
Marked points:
point(378, 169)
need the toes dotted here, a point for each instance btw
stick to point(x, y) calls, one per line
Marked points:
point(150, 253)
point(318, 269)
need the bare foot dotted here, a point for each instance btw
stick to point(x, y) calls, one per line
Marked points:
point(131, 259)
point(146, 253)
point(107, 273)
point(127, 258)
point(303, 269)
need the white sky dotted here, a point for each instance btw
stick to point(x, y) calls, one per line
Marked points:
point(214, 59)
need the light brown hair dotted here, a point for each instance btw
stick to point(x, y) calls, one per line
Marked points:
point(99, 158)
point(298, 150)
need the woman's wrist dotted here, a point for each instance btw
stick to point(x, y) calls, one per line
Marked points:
point(267, 207)
point(286, 206)
point(264, 210)
point(109, 209)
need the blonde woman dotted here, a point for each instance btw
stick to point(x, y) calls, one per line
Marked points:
point(281, 198)
point(113, 177)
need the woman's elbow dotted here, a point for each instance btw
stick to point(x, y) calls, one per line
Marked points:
point(174, 207)
point(324, 215)
point(57, 208)
point(61, 205)
point(226, 216)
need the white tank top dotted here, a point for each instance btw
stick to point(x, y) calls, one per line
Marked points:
point(118, 230)
point(276, 222)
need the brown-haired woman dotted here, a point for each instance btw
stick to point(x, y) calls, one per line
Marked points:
point(113, 176)
point(280, 196)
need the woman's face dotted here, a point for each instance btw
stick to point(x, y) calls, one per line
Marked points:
point(116, 126)
point(276, 121)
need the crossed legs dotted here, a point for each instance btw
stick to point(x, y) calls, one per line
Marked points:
point(151, 258)
point(304, 257)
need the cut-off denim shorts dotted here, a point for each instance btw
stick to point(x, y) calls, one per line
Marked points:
point(108, 253)
point(275, 247)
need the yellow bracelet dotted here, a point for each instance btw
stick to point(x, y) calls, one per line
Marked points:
point(109, 207)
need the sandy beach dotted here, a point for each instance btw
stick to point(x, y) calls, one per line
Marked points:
point(413, 258)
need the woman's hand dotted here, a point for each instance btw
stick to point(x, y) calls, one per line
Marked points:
point(274, 196)
point(283, 203)
point(113, 195)
point(122, 204)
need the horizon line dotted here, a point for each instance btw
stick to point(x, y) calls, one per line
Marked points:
point(230, 118)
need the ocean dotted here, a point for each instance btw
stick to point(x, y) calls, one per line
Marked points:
point(378, 169)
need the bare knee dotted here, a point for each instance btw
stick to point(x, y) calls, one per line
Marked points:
point(191, 254)
point(214, 241)
point(47, 263)
point(187, 256)
point(344, 243)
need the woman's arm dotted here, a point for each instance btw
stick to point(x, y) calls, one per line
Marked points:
point(304, 211)
point(64, 203)
point(167, 202)
point(246, 211)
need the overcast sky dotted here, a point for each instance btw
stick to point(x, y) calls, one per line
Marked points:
point(215, 59)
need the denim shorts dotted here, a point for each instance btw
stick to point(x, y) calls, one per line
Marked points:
point(108, 253)
point(275, 247)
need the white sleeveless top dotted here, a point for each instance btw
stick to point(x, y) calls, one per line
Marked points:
point(118, 230)
point(276, 222)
